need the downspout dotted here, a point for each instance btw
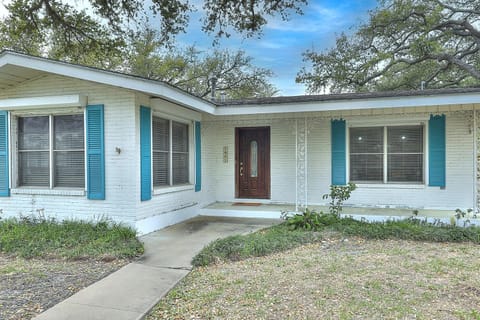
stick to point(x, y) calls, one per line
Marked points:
point(475, 164)
point(306, 164)
point(296, 165)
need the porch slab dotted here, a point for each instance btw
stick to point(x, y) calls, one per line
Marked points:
point(273, 211)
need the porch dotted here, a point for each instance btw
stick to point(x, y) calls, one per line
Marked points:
point(273, 211)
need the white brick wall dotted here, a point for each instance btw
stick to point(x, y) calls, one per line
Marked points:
point(460, 177)
point(119, 132)
point(218, 177)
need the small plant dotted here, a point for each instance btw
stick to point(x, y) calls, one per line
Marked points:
point(337, 195)
point(415, 212)
point(307, 220)
point(459, 213)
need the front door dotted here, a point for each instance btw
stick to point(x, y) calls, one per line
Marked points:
point(252, 162)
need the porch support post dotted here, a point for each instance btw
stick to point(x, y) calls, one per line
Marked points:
point(301, 136)
point(476, 141)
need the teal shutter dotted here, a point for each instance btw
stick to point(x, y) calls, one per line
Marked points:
point(198, 157)
point(339, 153)
point(436, 151)
point(95, 153)
point(145, 154)
point(4, 176)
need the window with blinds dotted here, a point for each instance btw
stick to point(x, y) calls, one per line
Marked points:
point(387, 154)
point(51, 157)
point(170, 151)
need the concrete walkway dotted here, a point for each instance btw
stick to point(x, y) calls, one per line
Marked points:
point(132, 291)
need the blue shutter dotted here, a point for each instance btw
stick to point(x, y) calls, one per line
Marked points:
point(145, 154)
point(198, 157)
point(95, 153)
point(339, 160)
point(436, 151)
point(4, 177)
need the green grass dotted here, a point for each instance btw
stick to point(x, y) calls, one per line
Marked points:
point(270, 240)
point(284, 236)
point(33, 237)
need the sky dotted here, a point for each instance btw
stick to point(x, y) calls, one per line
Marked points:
point(281, 46)
point(282, 43)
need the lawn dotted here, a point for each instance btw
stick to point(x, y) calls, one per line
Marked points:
point(42, 261)
point(338, 277)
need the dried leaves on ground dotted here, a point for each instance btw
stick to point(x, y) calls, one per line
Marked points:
point(30, 286)
point(336, 279)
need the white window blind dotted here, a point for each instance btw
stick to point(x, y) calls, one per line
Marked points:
point(170, 151)
point(386, 154)
point(69, 155)
point(35, 151)
point(366, 154)
point(405, 154)
point(180, 152)
point(160, 150)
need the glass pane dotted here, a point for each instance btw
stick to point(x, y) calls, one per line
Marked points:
point(160, 168)
point(405, 167)
point(405, 139)
point(366, 167)
point(33, 133)
point(69, 169)
point(366, 140)
point(33, 169)
point(68, 131)
point(253, 159)
point(160, 133)
point(180, 168)
point(180, 137)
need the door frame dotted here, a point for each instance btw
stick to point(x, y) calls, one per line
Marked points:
point(267, 160)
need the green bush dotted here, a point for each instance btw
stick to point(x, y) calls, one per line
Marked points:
point(274, 239)
point(293, 233)
point(30, 237)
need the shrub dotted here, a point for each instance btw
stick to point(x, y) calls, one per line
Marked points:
point(337, 195)
point(33, 237)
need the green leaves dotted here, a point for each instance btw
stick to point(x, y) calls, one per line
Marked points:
point(404, 43)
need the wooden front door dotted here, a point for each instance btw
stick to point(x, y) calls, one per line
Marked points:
point(252, 162)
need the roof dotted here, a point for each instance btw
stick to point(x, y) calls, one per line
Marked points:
point(346, 96)
point(16, 68)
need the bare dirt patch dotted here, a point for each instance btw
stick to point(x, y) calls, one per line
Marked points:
point(336, 279)
point(30, 286)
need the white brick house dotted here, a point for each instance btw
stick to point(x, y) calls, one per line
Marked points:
point(83, 143)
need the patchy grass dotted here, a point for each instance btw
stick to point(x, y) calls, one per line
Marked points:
point(337, 278)
point(284, 236)
point(33, 237)
point(263, 242)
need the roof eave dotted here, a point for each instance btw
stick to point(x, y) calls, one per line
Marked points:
point(150, 87)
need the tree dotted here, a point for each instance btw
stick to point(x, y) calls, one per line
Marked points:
point(233, 72)
point(406, 44)
point(61, 21)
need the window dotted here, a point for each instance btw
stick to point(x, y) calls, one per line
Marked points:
point(386, 154)
point(51, 151)
point(170, 152)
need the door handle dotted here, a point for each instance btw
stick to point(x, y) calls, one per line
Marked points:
point(241, 169)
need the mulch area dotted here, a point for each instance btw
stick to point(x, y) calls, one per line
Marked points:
point(31, 286)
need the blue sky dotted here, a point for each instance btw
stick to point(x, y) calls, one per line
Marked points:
point(282, 44)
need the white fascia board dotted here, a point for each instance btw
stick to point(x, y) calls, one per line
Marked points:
point(109, 78)
point(163, 106)
point(73, 100)
point(354, 104)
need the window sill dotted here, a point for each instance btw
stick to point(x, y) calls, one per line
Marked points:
point(172, 189)
point(49, 192)
point(390, 186)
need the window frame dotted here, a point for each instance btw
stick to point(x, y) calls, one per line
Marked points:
point(17, 188)
point(385, 126)
point(170, 187)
